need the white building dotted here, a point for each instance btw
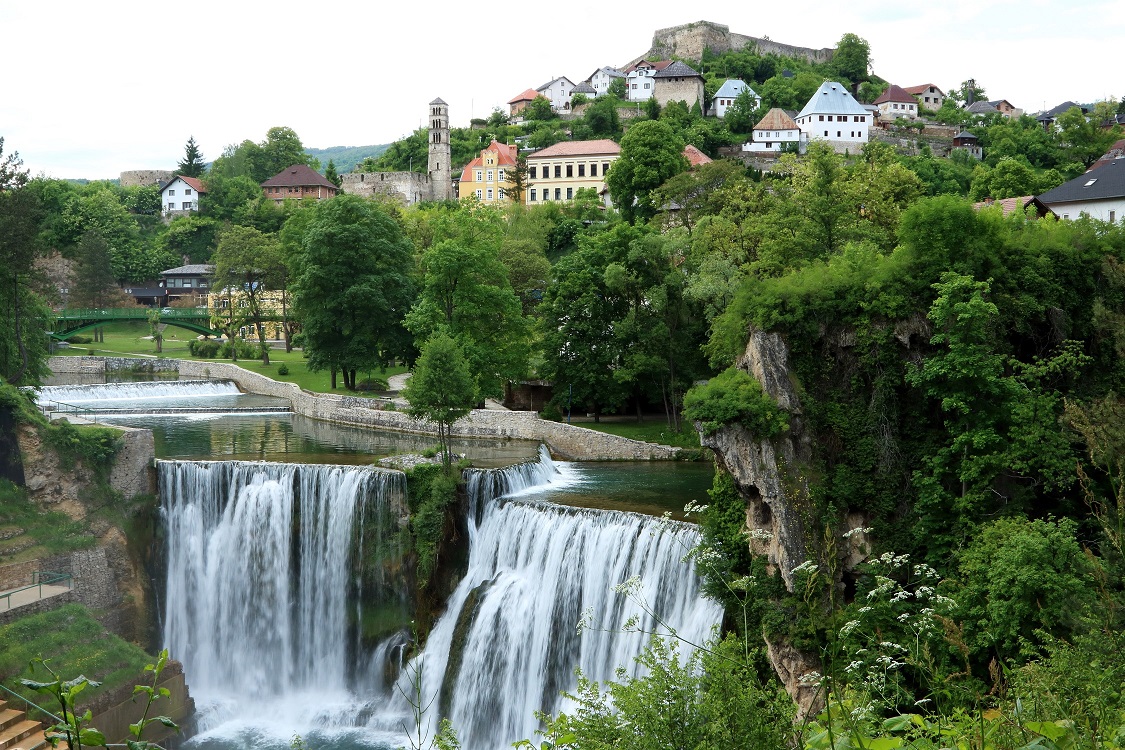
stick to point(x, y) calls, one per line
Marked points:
point(775, 132)
point(181, 194)
point(640, 79)
point(896, 103)
point(1099, 194)
point(834, 115)
point(930, 97)
point(558, 93)
point(726, 95)
point(602, 77)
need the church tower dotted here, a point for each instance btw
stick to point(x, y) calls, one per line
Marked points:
point(439, 168)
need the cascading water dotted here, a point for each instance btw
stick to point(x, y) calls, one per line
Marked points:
point(508, 643)
point(261, 579)
point(139, 391)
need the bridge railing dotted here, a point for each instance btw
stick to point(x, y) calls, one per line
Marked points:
point(52, 408)
point(138, 313)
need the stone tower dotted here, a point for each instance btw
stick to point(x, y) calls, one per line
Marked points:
point(439, 168)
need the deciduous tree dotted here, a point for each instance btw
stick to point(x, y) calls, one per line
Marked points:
point(651, 152)
point(441, 389)
point(242, 260)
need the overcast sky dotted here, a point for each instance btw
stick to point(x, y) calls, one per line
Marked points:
point(92, 89)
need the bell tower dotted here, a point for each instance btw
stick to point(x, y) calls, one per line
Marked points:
point(439, 167)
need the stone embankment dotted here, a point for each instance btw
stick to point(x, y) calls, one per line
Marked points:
point(567, 441)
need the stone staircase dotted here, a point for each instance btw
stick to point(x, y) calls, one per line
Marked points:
point(17, 732)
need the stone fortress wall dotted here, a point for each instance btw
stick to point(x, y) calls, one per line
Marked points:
point(146, 177)
point(407, 187)
point(690, 40)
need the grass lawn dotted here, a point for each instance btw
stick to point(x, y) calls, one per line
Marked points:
point(75, 643)
point(652, 430)
point(126, 339)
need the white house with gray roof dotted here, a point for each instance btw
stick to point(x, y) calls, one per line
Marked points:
point(727, 93)
point(602, 77)
point(1099, 194)
point(558, 92)
point(834, 115)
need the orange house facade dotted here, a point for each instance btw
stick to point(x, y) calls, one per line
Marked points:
point(485, 178)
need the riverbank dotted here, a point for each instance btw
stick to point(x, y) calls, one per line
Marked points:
point(566, 441)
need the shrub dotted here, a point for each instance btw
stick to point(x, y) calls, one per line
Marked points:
point(205, 348)
point(79, 339)
point(733, 397)
point(552, 412)
point(372, 384)
point(239, 349)
point(283, 369)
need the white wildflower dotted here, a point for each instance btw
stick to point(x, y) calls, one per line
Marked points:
point(760, 535)
point(848, 628)
point(857, 530)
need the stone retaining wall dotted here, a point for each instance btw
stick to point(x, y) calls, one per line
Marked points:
point(37, 607)
point(567, 441)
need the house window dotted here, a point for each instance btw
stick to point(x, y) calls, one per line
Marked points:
point(825, 133)
point(533, 195)
point(187, 191)
point(646, 85)
point(531, 173)
point(171, 192)
point(822, 118)
point(569, 193)
point(558, 171)
point(479, 194)
point(1113, 216)
point(478, 176)
point(490, 194)
point(558, 194)
point(500, 176)
point(837, 133)
point(500, 194)
point(594, 169)
point(490, 175)
point(171, 206)
point(581, 170)
point(187, 205)
point(569, 170)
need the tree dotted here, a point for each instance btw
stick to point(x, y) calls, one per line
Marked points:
point(12, 175)
point(966, 91)
point(156, 329)
point(441, 389)
point(241, 261)
point(351, 286)
point(651, 152)
point(852, 58)
point(331, 175)
point(466, 290)
point(618, 88)
point(1083, 139)
point(743, 114)
point(282, 148)
point(192, 164)
point(602, 119)
point(517, 179)
point(540, 109)
point(92, 284)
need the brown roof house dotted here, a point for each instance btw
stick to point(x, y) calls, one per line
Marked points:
point(930, 97)
point(895, 102)
point(519, 102)
point(776, 132)
point(558, 172)
point(298, 182)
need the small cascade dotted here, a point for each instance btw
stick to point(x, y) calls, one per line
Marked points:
point(138, 391)
point(508, 644)
point(262, 575)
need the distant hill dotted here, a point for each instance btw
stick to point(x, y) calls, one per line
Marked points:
point(346, 157)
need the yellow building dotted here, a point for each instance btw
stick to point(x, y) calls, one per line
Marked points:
point(485, 177)
point(558, 172)
point(230, 308)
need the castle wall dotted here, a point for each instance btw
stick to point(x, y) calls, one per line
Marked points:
point(688, 90)
point(407, 187)
point(146, 177)
point(690, 40)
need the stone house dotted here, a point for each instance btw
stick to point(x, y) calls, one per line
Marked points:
point(181, 195)
point(558, 93)
point(1003, 106)
point(833, 115)
point(602, 77)
point(775, 132)
point(519, 102)
point(639, 83)
point(485, 177)
point(558, 172)
point(679, 82)
point(727, 93)
point(1099, 194)
point(895, 103)
point(298, 182)
point(930, 97)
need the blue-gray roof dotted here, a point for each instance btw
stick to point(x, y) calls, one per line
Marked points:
point(1107, 182)
point(732, 87)
point(832, 98)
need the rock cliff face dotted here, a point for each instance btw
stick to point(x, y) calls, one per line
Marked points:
point(772, 476)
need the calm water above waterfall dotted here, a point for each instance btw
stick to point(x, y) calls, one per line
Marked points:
point(261, 575)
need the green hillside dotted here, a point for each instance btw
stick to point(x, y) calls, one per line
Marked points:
point(345, 157)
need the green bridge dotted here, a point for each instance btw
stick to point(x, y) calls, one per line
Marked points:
point(69, 322)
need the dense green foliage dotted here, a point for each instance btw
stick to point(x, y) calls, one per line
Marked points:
point(431, 490)
point(733, 397)
point(442, 389)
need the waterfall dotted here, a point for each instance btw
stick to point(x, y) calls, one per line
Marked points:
point(143, 390)
point(508, 643)
point(262, 577)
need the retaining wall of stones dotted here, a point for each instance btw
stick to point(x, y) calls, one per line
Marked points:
point(567, 441)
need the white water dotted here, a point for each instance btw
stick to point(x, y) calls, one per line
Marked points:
point(138, 391)
point(258, 611)
point(539, 568)
point(260, 584)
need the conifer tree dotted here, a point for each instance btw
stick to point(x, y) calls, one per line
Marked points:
point(192, 164)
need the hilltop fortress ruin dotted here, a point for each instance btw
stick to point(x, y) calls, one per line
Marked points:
point(690, 40)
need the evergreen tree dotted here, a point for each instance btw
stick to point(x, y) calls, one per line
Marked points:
point(331, 175)
point(192, 164)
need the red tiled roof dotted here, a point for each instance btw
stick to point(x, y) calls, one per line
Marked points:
point(505, 157)
point(657, 66)
point(895, 94)
point(919, 89)
point(195, 183)
point(1010, 205)
point(298, 175)
point(599, 147)
point(776, 119)
point(696, 157)
point(526, 96)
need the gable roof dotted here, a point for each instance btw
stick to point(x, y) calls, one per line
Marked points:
point(895, 94)
point(198, 269)
point(658, 65)
point(599, 147)
point(677, 70)
point(611, 72)
point(982, 108)
point(924, 88)
point(439, 100)
point(732, 87)
point(776, 119)
point(1115, 152)
point(193, 182)
point(523, 96)
point(830, 99)
point(1009, 205)
point(1107, 182)
point(298, 175)
point(1054, 112)
point(553, 81)
point(505, 157)
point(583, 88)
point(695, 157)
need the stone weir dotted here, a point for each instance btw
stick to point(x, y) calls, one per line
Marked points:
point(567, 441)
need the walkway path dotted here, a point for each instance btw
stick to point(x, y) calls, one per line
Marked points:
point(397, 382)
point(14, 598)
